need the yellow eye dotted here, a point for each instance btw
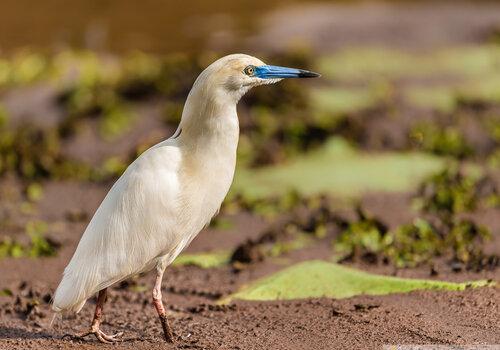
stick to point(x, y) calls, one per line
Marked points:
point(250, 70)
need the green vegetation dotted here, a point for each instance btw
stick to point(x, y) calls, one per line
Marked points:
point(439, 98)
point(365, 238)
point(445, 141)
point(484, 89)
point(268, 206)
point(316, 279)
point(253, 252)
point(335, 102)
point(283, 122)
point(452, 191)
point(337, 169)
point(27, 151)
point(34, 192)
point(34, 153)
point(11, 248)
point(280, 123)
point(272, 244)
point(203, 260)
point(38, 246)
point(3, 116)
point(221, 223)
point(416, 243)
point(369, 63)
point(116, 120)
point(412, 244)
point(105, 88)
point(451, 81)
point(445, 195)
point(291, 134)
point(25, 67)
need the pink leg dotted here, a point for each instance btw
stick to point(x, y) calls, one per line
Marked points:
point(157, 302)
point(96, 322)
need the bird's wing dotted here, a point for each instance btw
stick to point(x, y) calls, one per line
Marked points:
point(132, 227)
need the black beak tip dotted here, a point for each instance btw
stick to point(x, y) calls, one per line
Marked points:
point(308, 74)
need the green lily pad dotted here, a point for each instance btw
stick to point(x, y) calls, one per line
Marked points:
point(316, 279)
point(203, 260)
point(339, 169)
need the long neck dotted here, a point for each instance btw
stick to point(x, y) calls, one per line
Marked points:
point(209, 121)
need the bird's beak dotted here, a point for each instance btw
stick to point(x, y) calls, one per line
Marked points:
point(276, 72)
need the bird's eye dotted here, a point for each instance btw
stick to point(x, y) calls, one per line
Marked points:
point(250, 70)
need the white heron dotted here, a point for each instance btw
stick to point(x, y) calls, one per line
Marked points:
point(168, 194)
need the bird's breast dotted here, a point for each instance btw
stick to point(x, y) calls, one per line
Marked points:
point(205, 179)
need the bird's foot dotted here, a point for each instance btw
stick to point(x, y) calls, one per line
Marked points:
point(167, 330)
point(100, 335)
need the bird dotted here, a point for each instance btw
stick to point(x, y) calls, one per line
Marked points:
point(167, 195)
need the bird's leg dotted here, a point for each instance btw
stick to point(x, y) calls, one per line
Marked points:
point(96, 322)
point(157, 302)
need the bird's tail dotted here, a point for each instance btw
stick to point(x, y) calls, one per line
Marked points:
point(77, 285)
point(71, 294)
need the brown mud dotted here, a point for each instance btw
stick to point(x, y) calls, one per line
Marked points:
point(191, 295)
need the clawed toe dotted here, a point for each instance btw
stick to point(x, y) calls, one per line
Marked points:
point(100, 335)
point(104, 338)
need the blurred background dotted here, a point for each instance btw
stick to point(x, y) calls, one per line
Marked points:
point(162, 27)
point(392, 157)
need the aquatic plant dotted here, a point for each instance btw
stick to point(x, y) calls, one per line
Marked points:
point(38, 245)
point(453, 191)
point(322, 279)
point(204, 260)
point(365, 238)
point(355, 172)
point(265, 206)
point(28, 151)
point(460, 241)
point(446, 141)
point(444, 195)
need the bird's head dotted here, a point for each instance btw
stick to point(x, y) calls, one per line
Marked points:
point(236, 74)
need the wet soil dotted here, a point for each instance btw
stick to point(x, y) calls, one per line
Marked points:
point(362, 322)
point(191, 294)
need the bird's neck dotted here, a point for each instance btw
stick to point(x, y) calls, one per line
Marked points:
point(209, 123)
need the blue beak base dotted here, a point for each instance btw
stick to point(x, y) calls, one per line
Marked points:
point(276, 72)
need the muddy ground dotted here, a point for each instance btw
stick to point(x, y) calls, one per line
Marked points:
point(191, 293)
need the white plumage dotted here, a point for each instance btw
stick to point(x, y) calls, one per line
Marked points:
point(168, 194)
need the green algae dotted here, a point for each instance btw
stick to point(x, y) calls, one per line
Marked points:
point(203, 260)
point(316, 279)
point(338, 169)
